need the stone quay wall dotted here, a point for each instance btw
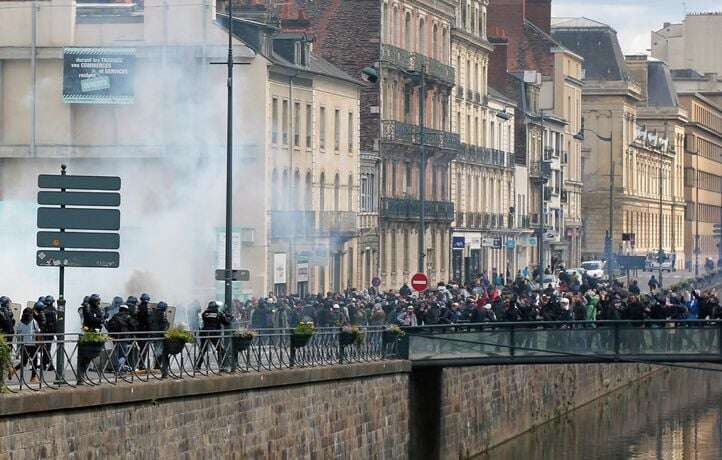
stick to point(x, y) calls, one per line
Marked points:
point(481, 407)
point(336, 414)
point(382, 410)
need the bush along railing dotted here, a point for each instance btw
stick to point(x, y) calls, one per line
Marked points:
point(94, 358)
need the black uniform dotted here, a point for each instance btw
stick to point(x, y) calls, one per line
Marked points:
point(7, 321)
point(213, 322)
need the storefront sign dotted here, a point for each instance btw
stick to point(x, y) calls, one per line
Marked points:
point(488, 242)
point(98, 75)
point(474, 240)
point(458, 242)
point(510, 243)
point(302, 272)
point(279, 268)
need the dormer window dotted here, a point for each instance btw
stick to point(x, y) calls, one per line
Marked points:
point(298, 53)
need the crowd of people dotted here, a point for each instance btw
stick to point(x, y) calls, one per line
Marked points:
point(486, 299)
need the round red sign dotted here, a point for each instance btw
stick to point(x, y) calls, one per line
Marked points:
point(419, 282)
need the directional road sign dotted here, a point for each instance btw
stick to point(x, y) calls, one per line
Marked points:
point(79, 198)
point(79, 218)
point(78, 240)
point(237, 275)
point(419, 282)
point(78, 182)
point(93, 259)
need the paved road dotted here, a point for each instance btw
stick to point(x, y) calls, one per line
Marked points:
point(668, 278)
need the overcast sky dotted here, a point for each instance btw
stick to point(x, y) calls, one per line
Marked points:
point(633, 19)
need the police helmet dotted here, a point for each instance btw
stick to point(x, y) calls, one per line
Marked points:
point(39, 305)
point(144, 297)
point(212, 304)
point(94, 300)
point(4, 301)
point(132, 300)
point(162, 306)
point(49, 300)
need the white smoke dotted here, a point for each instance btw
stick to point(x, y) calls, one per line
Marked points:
point(172, 203)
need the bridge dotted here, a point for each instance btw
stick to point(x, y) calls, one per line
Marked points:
point(577, 342)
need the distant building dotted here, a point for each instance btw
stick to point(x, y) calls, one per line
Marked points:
point(632, 101)
point(691, 44)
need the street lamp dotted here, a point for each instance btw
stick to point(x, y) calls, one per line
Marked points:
point(609, 238)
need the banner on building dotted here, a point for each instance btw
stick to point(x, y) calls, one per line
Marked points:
point(98, 75)
point(488, 242)
point(474, 240)
point(302, 272)
point(279, 268)
point(458, 242)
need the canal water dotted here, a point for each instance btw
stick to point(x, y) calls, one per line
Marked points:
point(673, 415)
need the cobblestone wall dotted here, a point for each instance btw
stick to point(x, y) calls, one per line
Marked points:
point(485, 406)
point(350, 419)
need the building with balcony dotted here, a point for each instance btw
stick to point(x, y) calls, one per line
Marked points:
point(542, 76)
point(407, 41)
point(633, 102)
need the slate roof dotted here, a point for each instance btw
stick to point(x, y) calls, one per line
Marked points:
point(660, 89)
point(688, 74)
point(597, 43)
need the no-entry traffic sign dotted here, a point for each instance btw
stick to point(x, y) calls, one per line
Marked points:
point(419, 282)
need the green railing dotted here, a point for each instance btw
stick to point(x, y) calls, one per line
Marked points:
point(573, 341)
point(406, 208)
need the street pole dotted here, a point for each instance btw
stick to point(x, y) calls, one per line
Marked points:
point(540, 230)
point(661, 218)
point(60, 326)
point(696, 216)
point(422, 171)
point(610, 247)
point(228, 273)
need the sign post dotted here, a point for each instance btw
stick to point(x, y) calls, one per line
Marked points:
point(63, 218)
point(419, 282)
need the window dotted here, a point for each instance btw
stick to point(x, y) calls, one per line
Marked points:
point(350, 132)
point(336, 130)
point(322, 193)
point(274, 121)
point(297, 124)
point(422, 37)
point(406, 250)
point(308, 195)
point(435, 43)
point(349, 201)
point(408, 178)
point(367, 192)
point(407, 104)
point(298, 53)
point(309, 126)
point(336, 193)
point(386, 21)
point(322, 128)
point(407, 32)
point(284, 122)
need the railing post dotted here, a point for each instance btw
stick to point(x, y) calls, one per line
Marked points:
point(616, 339)
point(511, 340)
point(719, 337)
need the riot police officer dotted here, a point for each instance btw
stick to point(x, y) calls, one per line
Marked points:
point(213, 321)
point(49, 328)
point(92, 314)
point(7, 321)
point(142, 317)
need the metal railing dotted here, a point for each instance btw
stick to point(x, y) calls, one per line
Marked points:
point(568, 341)
point(485, 156)
point(405, 133)
point(407, 208)
point(407, 60)
point(146, 357)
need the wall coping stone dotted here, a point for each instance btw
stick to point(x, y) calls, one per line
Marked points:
point(104, 395)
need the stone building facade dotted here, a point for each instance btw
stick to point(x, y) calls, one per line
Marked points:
point(402, 39)
point(633, 102)
point(702, 178)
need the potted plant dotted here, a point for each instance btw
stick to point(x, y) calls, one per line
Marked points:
point(5, 361)
point(301, 334)
point(241, 339)
point(392, 333)
point(350, 335)
point(176, 338)
point(90, 344)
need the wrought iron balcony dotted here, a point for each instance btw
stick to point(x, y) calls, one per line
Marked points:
point(540, 170)
point(405, 133)
point(287, 224)
point(484, 156)
point(406, 60)
point(410, 209)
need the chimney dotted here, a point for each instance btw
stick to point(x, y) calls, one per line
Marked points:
point(539, 13)
point(498, 64)
point(637, 66)
point(508, 14)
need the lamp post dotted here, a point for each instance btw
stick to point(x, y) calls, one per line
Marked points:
point(609, 239)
